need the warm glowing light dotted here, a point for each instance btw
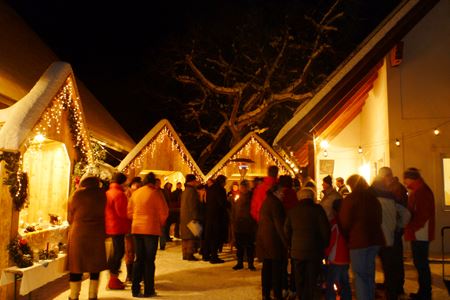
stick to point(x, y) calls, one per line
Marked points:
point(325, 153)
point(364, 171)
point(65, 105)
point(296, 170)
point(236, 198)
point(335, 287)
point(360, 149)
point(397, 142)
point(324, 144)
point(437, 131)
point(39, 138)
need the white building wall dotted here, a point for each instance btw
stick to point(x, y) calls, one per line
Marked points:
point(368, 130)
point(419, 101)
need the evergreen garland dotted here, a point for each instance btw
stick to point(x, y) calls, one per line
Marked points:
point(17, 180)
point(20, 252)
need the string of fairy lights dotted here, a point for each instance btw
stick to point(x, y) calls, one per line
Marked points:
point(150, 148)
point(65, 100)
point(397, 142)
point(245, 151)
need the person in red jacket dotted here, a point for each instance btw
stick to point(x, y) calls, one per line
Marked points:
point(117, 226)
point(420, 229)
point(259, 194)
point(338, 256)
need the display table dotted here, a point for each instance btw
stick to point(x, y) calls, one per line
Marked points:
point(35, 276)
point(51, 235)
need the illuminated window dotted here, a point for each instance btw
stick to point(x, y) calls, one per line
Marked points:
point(446, 163)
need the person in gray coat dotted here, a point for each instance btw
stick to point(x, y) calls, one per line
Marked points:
point(271, 243)
point(308, 233)
point(190, 211)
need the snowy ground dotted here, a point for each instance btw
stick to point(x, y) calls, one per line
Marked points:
point(179, 279)
point(184, 280)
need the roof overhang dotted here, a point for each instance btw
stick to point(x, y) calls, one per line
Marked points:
point(351, 79)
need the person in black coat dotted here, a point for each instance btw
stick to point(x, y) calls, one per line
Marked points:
point(271, 243)
point(244, 227)
point(308, 233)
point(216, 202)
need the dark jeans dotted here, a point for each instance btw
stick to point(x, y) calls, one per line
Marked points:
point(306, 274)
point(79, 276)
point(144, 265)
point(162, 239)
point(420, 258)
point(245, 244)
point(174, 218)
point(271, 277)
point(392, 262)
point(115, 261)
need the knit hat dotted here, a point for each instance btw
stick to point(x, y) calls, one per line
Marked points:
point(329, 180)
point(412, 173)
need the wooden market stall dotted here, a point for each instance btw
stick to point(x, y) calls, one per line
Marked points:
point(250, 158)
point(42, 136)
point(162, 152)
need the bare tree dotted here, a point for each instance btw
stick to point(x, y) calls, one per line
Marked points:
point(237, 88)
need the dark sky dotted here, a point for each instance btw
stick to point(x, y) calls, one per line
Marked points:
point(109, 44)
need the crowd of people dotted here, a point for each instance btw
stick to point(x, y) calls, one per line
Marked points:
point(307, 241)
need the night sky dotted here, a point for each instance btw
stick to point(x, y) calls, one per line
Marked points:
point(114, 47)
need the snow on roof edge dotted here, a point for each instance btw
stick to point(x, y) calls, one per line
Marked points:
point(241, 144)
point(148, 137)
point(347, 65)
point(20, 118)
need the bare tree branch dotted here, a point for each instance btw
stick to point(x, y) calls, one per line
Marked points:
point(215, 88)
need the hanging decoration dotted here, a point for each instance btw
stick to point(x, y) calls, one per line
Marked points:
point(16, 179)
point(20, 252)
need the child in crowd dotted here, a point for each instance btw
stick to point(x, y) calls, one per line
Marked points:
point(339, 259)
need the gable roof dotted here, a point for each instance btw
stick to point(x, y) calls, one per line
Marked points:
point(24, 58)
point(160, 132)
point(19, 119)
point(273, 158)
point(353, 73)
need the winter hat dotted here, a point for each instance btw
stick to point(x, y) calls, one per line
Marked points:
point(412, 173)
point(306, 193)
point(328, 180)
point(190, 178)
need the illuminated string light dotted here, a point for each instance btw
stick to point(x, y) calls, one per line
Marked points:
point(397, 142)
point(269, 158)
point(65, 105)
point(360, 150)
point(150, 149)
point(436, 131)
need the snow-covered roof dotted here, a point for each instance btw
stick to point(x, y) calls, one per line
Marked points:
point(23, 59)
point(160, 131)
point(235, 152)
point(357, 57)
point(21, 117)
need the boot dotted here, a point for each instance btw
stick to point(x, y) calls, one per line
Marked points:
point(129, 273)
point(93, 289)
point(115, 283)
point(239, 265)
point(75, 288)
point(251, 266)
